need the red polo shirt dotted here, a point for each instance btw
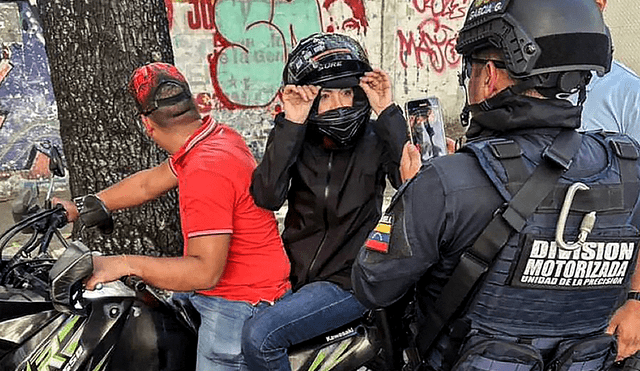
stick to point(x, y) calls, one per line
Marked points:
point(214, 170)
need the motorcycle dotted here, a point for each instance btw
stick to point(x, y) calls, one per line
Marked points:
point(48, 322)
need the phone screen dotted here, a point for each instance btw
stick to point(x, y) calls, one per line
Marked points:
point(426, 127)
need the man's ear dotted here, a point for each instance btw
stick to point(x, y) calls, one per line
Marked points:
point(148, 125)
point(490, 79)
point(496, 79)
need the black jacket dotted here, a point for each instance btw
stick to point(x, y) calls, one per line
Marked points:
point(449, 203)
point(334, 196)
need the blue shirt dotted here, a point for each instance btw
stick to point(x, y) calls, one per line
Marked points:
point(613, 102)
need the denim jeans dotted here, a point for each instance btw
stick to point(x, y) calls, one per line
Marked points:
point(219, 335)
point(313, 310)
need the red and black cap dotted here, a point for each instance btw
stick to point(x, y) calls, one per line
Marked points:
point(145, 82)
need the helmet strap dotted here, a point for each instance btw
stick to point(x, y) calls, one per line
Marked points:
point(465, 115)
point(556, 84)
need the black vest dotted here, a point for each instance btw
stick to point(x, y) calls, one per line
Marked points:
point(536, 292)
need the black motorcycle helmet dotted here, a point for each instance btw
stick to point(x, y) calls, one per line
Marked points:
point(332, 61)
point(549, 45)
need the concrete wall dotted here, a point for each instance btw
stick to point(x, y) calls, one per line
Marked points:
point(233, 52)
point(623, 18)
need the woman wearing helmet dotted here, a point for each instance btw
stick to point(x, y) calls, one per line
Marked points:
point(330, 162)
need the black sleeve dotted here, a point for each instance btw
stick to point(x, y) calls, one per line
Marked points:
point(270, 181)
point(418, 216)
point(391, 128)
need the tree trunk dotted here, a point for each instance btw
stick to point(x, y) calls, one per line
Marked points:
point(93, 47)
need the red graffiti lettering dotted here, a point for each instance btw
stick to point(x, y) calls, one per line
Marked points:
point(201, 16)
point(450, 9)
point(435, 36)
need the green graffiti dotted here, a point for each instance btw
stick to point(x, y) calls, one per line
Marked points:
point(261, 31)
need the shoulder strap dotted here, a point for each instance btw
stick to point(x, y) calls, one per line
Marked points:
point(476, 260)
point(513, 171)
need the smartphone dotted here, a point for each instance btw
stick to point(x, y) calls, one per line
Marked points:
point(425, 123)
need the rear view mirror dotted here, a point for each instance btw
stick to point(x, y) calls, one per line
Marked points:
point(56, 165)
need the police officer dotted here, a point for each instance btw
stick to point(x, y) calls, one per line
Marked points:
point(516, 245)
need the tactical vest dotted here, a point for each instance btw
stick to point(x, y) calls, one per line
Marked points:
point(537, 295)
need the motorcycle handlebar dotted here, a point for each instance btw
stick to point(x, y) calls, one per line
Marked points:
point(134, 282)
point(55, 218)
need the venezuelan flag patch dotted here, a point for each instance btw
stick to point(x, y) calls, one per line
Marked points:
point(378, 239)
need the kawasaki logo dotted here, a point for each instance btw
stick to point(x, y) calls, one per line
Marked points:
point(346, 332)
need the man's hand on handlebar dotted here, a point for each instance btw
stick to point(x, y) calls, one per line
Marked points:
point(107, 269)
point(69, 206)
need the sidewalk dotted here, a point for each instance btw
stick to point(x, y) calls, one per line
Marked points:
point(6, 222)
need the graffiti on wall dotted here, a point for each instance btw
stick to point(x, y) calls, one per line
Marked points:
point(431, 44)
point(233, 52)
point(345, 16)
point(251, 41)
point(28, 113)
point(248, 41)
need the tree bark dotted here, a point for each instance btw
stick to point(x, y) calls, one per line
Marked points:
point(93, 47)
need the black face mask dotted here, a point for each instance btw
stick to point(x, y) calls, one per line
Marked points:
point(342, 125)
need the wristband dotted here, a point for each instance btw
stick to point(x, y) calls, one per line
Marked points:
point(79, 201)
point(633, 295)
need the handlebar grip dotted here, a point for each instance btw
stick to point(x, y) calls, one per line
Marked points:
point(134, 282)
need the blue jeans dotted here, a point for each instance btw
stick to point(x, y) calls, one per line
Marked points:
point(219, 335)
point(313, 310)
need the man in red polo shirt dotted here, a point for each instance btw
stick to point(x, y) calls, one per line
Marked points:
point(233, 255)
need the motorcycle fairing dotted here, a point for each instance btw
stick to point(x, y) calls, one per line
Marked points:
point(72, 342)
point(342, 349)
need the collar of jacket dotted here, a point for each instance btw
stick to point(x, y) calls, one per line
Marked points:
point(508, 111)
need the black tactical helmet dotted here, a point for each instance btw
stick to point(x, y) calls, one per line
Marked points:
point(332, 61)
point(550, 44)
